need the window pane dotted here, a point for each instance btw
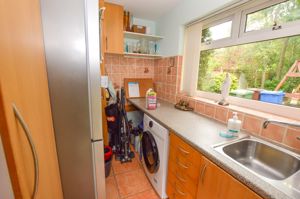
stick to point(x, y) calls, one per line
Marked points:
point(252, 68)
point(217, 32)
point(277, 14)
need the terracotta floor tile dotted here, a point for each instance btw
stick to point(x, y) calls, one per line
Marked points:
point(150, 194)
point(111, 188)
point(118, 167)
point(132, 182)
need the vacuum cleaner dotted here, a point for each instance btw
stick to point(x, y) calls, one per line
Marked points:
point(118, 128)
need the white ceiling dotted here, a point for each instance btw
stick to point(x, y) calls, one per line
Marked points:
point(147, 9)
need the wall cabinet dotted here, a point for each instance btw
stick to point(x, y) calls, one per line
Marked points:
point(113, 28)
point(193, 176)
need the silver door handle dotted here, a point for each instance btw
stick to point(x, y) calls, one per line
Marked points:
point(178, 191)
point(183, 151)
point(202, 173)
point(181, 164)
point(180, 178)
point(32, 147)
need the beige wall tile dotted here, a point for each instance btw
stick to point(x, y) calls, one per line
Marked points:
point(252, 124)
point(291, 138)
point(200, 107)
point(240, 115)
point(221, 114)
point(273, 132)
point(209, 110)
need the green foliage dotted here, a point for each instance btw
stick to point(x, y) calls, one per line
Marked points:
point(276, 14)
point(204, 64)
point(290, 84)
point(206, 35)
point(217, 82)
point(253, 60)
point(271, 84)
point(263, 63)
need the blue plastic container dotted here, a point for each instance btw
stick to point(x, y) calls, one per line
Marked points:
point(275, 97)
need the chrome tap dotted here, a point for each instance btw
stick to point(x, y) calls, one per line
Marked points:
point(267, 122)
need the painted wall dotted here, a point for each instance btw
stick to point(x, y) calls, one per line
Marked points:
point(171, 25)
point(151, 25)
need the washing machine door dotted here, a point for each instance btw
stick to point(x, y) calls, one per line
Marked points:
point(150, 152)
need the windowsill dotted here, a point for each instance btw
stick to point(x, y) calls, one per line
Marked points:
point(245, 110)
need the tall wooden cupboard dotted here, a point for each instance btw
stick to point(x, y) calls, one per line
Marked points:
point(24, 102)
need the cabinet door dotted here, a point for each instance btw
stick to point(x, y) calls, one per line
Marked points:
point(113, 28)
point(23, 82)
point(214, 183)
point(234, 189)
point(210, 181)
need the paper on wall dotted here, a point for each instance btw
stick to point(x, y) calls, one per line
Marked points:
point(133, 89)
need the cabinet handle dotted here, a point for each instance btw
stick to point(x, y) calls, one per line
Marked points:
point(202, 173)
point(178, 191)
point(32, 147)
point(180, 164)
point(183, 151)
point(106, 41)
point(180, 178)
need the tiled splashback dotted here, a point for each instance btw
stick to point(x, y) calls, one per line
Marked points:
point(252, 121)
point(119, 67)
point(166, 73)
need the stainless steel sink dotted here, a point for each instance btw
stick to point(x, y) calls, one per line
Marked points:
point(271, 163)
point(263, 159)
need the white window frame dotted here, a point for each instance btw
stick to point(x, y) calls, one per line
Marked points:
point(259, 8)
point(287, 29)
point(193, 51)
point(215, 23)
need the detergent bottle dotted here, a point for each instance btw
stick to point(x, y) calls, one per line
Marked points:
point(151, 103)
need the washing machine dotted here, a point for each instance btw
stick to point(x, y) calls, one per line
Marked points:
point(155, 150)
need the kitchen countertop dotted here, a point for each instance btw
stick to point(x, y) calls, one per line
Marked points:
point(203, 133)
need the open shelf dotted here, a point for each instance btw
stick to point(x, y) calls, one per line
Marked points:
point(134, 35)
point(141, 55)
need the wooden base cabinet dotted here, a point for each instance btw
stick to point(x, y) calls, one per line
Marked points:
point(184, 165)
point(215, 183)
point(193, 176)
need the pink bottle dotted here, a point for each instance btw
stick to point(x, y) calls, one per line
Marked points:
point(151, 99)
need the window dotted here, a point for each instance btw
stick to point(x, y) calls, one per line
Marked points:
point(252, 67)
point(273, 16)
point(257, 43)
point(217, 32)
